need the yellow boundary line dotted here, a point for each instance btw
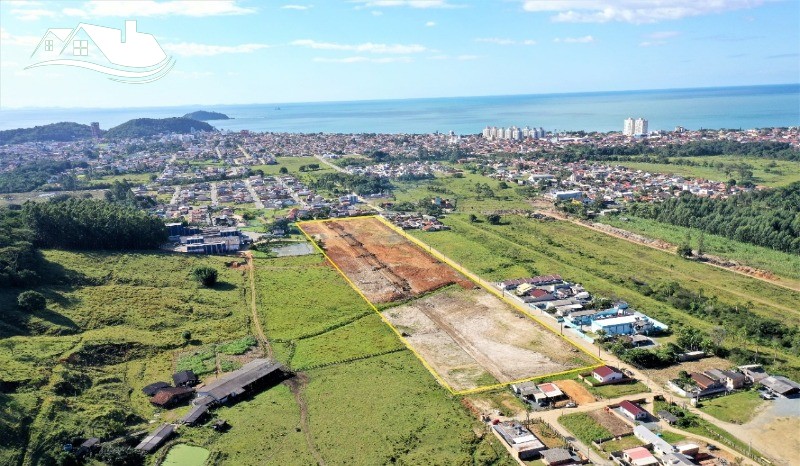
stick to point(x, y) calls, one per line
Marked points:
point(427, 249)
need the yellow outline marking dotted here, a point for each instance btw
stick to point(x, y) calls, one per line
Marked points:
point(427, 249)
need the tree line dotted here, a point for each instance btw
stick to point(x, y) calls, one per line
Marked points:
point(627, 152)
point(342, 183)
point(768, 218)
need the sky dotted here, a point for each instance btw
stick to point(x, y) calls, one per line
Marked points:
point(244, 52)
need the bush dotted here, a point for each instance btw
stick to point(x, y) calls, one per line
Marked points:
point(121, 455)
point(207, 276)
point(31, 301)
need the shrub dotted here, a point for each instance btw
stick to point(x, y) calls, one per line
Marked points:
point(31, 301)
point(207, 276)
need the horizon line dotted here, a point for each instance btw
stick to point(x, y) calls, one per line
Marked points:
point(403, 98)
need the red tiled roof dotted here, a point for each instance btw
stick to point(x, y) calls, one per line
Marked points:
point(631, 408)
point(604, 371)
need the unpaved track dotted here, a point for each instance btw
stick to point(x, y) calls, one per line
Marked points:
point(296, 385)
point(256, 321)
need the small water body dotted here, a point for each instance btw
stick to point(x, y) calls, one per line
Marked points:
point(186, 455)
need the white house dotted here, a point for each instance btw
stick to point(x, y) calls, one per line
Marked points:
point(605, 374)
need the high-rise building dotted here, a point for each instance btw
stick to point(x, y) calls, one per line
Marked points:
point(628, 127)
point(95, 129)
point(640, 127)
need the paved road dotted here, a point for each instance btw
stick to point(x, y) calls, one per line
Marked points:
point(256, 198)
point(175, 195)
point(607, 358)
point(246, 154)
point(214, 195)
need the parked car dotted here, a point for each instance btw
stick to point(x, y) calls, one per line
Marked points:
point(571, 404)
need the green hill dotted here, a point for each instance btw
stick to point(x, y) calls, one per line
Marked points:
point(64, 131)
point(145, 127)
point(203, 115)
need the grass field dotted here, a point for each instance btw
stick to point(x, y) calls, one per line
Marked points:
point(293, 165)
point(122, 316)
point(604, 265)
point(737, 408)
point(780, 263)
point(782, 174)
point(584, 427)
point(617, 390)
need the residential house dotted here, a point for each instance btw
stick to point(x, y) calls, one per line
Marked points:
point(557, 457)
point(632, 411)
point(639, 456)
point(154, 388)
point(520, 439)
point(660, 446)
point(185, 379)
point(606, 374)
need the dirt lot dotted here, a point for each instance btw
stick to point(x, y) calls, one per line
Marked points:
point(472, 338)
point(384, 265)
point(611, 422)
point(575, 390)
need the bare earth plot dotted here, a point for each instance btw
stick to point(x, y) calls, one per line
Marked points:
point(471, 338)
point(384, 265)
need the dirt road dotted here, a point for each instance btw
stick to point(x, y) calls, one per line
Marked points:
point(256, 321)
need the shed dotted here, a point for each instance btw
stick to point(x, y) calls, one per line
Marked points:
point(195, 414)
point(556, 457)
point(87, 447)
point(185, 378)
point(156, 438)
point(780, 385)
point(240, 380)
point(153, 388)
point(169, 396)
point(667, 417)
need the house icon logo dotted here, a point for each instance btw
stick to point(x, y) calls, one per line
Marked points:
point(127, 56)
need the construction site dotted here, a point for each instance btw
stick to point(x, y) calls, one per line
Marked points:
point(468, 337)
point(384, 265)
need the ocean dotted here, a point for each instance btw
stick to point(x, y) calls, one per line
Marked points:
point(725, 107)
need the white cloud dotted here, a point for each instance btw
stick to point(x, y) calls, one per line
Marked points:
point(504, 41)
point(467, 57)
point(405, 3)
point(6, 38)
point(652, 43)
point(376, 13)
point(119, 8)
point(32, 14)
point(575, 40)
point(190, 49)
point(21, 3)
point(367, 47)
point(430, 24)
point(633, 11)
point(361, 59)
point(296, 7)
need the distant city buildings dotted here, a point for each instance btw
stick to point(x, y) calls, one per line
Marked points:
point(637, 127)
point(513, 133)
point(95, 129)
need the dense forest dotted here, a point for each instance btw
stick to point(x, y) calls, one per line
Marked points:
point(769, 218)
point(626, 152)
point(18, 258)
point(343, 183)
point(31, 176)
point(92, 224)
point(145, 127)
point(202, 115)
point(64, 131)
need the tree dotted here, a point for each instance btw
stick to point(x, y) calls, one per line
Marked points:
point(493, 219)
point(120, 455)
point(187, 336)
point(473, 218)
point(31, 301)
point(684, 250)
point(207, 276)
point(701, 243)
point(283, 170)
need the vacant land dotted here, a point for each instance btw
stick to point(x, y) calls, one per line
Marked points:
point(765, 171)
point(576, 391)
point(785, 265)
point(737, 408)
point(465, 334)
point(611, 422)
point(383, 264)
point(617, 390)
point(584, 427)
point(610, 267)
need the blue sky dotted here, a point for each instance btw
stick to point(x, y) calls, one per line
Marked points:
point(238, 52)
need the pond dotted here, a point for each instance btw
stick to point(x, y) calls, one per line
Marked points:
point(186, 455)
